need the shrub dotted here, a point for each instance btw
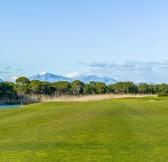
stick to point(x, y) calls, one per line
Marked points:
point(163, 93)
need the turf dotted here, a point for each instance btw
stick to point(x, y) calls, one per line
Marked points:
point(118, 130)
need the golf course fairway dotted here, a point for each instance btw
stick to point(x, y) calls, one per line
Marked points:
point(114, 130)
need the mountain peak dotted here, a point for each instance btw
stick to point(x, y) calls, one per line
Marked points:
point(45, 76)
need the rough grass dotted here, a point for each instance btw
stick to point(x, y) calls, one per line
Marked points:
point(86, 98)
point(119, 130)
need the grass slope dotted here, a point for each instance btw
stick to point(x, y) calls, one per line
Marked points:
point(116, 130)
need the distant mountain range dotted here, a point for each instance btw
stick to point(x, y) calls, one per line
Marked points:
point(138, 83)
point(86, 79)
point(45, 76)
point(49, 77)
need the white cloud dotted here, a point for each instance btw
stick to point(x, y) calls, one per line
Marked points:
point(129, 65)
point(13, 78)
point(20, 69)
point(43, 73)
point(131, 70)
point(72, 75)
point(7, 67)
point(4, 72)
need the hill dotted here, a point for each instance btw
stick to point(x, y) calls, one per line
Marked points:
point(110, 130)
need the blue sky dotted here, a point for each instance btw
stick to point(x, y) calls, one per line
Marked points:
point(125, 40)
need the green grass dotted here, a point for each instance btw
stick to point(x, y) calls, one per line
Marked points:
point(119, 130)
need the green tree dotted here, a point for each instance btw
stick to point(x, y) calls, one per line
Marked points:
point(21, 90)
point(77, 87)
point(7, 91)
point(62, 87)
point(92, 85)
point(111, 88)
point(47, 88)
point(130, 87)
point(162, 87)
point(123, 87)
point(22, 81)
point(163, 93)
point(35, 87)
point(10, 90)
point(101, 87)
point(143, 88)
point(152, 89)
point(22, 86)
point(87, 89)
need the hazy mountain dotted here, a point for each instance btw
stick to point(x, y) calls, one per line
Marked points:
point(138, 83)
point(86, 79)
point(1, 80)
point(49, 77)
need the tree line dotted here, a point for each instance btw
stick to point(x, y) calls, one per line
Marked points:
point(23, 86)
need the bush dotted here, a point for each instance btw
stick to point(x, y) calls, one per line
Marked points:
point(163, 93)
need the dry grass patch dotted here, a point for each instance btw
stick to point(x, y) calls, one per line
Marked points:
point(88, 97)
